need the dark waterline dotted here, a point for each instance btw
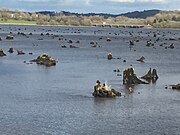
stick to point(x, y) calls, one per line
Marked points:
point(58, 100)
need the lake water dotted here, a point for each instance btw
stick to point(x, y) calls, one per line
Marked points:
point(39, 100)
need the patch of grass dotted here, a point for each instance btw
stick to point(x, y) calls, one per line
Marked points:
point(12, 21)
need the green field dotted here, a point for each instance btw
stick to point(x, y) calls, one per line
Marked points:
point(12, 21)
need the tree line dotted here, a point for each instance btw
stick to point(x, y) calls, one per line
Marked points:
point(164, 19)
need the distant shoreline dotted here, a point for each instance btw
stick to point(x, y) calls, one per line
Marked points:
point(26, 24)
point(18, 24)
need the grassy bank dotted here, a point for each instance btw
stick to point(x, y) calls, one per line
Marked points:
point(128, 22)
point(18, 22)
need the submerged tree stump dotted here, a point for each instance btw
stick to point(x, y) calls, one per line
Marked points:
point(45, 59)
point(108, 39)
point(20, 52)
point(2, 52)
point(149, 43)
point(109, 56)
point(141, 59)
point(171, 46)
point(11, 50)
point(9, 37)
point(131, 42)
point(130, 78)
point(104, 91)
point(152, 74)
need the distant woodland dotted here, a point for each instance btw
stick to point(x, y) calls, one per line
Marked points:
point(151, 18)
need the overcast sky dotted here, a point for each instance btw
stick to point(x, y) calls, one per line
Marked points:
point(87, 6)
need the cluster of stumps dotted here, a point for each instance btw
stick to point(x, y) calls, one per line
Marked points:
point(129, 79)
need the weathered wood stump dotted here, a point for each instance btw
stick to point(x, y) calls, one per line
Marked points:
point(154, 35)
point(45, 59)
point(104, 91)
point(93, 43)
point(151, 74)
point(2, 52)
point(131, 42)
point(149, 43)
point(9, 37)
point(171, 46)
point(129, 77)
point(70, 41)
point(20, 52)
point(141, 59)
point(109, 56)
point(108, 39)
point(154, 74)
point(10, 50)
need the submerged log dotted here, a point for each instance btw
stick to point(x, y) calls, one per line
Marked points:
point(2, 52)
point(45, 59)
point(130, 78)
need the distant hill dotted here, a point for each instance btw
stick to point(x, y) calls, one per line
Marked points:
point(143, 14)
point(136, 14)
point(51, 13)
point(89, 14)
